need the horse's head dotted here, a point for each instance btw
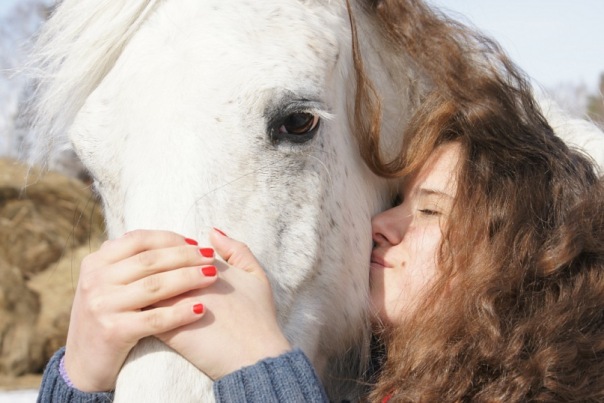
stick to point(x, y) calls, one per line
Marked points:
point(235, 115)
point(215, 108)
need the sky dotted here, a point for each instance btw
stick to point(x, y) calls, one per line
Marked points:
point(554, 41)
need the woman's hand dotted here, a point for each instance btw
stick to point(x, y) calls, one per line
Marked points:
point(113, 305)
point(240, 325)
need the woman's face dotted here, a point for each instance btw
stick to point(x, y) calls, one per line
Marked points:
point(406, 237)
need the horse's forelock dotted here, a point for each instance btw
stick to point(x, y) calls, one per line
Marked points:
point(74, 51)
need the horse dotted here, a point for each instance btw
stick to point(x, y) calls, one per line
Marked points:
point(245, 116)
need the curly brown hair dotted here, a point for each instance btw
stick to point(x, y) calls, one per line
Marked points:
point(518, 312)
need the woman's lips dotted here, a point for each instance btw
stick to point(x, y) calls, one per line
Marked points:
point(377, 262)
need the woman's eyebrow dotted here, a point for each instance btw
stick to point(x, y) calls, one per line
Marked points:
point(426, 192)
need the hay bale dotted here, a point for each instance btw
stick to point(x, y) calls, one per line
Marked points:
point(48, 222)
point(42, 215)
point(19, 311)
point(56, 287)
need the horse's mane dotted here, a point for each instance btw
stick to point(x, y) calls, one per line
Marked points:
point(75, 50)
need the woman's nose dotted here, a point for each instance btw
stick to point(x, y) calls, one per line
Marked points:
point(388, 227)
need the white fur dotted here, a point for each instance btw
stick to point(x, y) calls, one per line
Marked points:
point(167, 103)
point(578, 133)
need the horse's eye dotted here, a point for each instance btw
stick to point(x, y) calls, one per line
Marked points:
point(294, 121)
point(299, 123)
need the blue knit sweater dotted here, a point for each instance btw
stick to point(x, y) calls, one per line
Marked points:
point(287, 378)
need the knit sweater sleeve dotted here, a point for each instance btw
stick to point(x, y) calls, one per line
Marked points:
point(287, 378)
point(54, 389)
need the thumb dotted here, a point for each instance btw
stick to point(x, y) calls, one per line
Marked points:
point(235, 253)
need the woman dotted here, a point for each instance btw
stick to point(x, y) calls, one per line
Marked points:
point(515, 312)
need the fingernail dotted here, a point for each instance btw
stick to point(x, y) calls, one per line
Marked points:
point(209, 271)
point(198, 309)
point(191, 241)
point(220, 232)
point(206, 252)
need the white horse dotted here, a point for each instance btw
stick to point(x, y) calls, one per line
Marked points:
point(235, 114)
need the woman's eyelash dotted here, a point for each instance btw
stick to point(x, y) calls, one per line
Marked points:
point(429, 212)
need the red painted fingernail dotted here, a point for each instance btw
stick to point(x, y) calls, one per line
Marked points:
point(191, 241)
point(220, 232)
point(198, 309)
point(206, 252)
point(209, 271)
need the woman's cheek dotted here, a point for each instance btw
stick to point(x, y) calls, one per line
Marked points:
point(387, 296)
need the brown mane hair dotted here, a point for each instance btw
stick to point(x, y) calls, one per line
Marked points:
point(518, 312)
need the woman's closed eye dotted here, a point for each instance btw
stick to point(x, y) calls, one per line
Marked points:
point(429, 212)
point(434, 204)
